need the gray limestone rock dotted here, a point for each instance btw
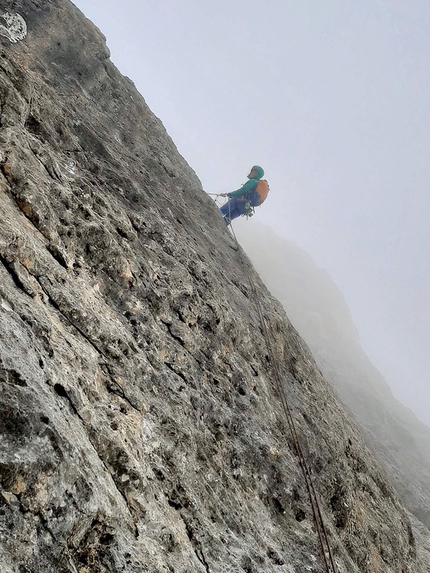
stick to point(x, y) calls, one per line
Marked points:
point(141, 430)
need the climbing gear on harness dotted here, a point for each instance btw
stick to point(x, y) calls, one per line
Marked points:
point(249, 210)
point(243, 205)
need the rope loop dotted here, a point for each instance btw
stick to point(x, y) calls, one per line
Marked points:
point(322, 533)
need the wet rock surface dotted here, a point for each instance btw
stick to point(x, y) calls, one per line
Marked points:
point(140, 425)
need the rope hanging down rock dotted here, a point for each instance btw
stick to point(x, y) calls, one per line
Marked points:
point(323, 537)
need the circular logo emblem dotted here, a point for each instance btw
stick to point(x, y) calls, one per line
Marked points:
point(13, 27)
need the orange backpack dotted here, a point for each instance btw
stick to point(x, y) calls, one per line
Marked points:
point(262, 190)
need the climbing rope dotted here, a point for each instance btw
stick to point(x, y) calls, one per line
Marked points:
point(323, 537)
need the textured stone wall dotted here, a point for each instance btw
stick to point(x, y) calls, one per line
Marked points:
point(140, 426)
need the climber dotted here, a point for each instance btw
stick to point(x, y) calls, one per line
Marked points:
point(243, 200)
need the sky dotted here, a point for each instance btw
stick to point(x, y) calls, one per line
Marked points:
point(332, 99)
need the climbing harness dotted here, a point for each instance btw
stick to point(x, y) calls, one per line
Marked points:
point(249, 207)
point(323, 537)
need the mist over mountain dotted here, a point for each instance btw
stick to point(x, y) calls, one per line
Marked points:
point(141, 424)
point(318, 310)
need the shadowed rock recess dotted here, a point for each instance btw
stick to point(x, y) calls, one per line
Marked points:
point(140, 426)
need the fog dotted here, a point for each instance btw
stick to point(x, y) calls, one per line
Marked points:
point(331, 99)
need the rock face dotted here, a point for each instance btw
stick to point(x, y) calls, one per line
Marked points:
point(140, 425)
point(317, 309)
